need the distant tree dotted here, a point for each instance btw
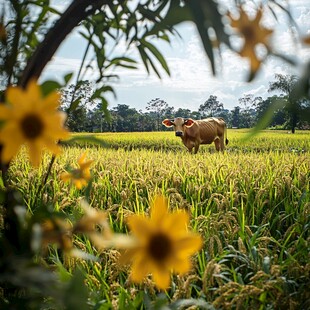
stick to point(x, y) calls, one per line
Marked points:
point(151, 123)
point(77, 119)
point(279, 118)
point(225, 114)
point(77, 94)
point(125, 118)
point(247, 112)
point(169, 112)
point(76, 101)
point(211, 107)
point(181, 112)
point(98, 120)
point(235, 117)
point(285, 84)
point(195, 115)
point(262, 106)
point(158, 106)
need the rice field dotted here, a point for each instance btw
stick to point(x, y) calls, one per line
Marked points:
point(250, 204)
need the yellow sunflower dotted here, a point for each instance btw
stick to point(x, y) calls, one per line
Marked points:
point(253, 34)
point(80, 176)
point(32, 120)
point(164, 244)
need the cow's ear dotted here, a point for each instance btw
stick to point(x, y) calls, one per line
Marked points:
point(167, 122)
point(189, 122)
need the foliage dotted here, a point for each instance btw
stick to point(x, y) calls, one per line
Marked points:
point(158, 106)
point(212, 107)
point(76, 101)
point(296, 108)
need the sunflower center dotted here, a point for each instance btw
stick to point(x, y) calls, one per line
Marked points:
point(78, 173)
point(32, 126)
point(160, 247)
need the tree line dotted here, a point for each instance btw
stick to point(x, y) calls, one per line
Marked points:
point(86, 114)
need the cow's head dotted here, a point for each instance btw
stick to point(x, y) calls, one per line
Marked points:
point(179, 123)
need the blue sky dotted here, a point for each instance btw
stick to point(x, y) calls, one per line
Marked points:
point(191, 81)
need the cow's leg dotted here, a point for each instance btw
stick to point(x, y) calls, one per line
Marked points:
point(222, 145)
point(196, 148)
point(217, 144)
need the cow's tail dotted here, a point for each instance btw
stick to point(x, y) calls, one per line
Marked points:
point(225, 134)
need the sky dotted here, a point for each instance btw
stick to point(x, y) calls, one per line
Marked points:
point(191, 81)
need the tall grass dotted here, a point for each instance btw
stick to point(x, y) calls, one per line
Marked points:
point(250, 204)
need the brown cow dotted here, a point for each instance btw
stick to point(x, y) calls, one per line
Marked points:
point(205, 131)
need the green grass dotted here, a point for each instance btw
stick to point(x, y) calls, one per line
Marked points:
point(250, 204)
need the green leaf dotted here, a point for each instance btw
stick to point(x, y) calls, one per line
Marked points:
point(144, 57)
point(64, 274)
point(121, 61)
point(104, 108)
point(201, 22)
point(50, 86)
point(212, 14)
point(263, 296)
point(154, 67)
point(157, 54)
point(175, 15)
point(76, 294)
point(68, 77)
point(98, 93)
point(74, 104)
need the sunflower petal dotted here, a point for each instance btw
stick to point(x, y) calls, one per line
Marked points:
point(140, 269)
point(9, 151)
point(82, 159)
point(16, 97)
point(159, 209)
point(188, 245)
point(5, 112)
point(126, 256)
point(10, 134)
point(65, 176)
point(12, 141)
point(139, 226)
point(176, 222)
point(34, 91)
point(78, 183)
point(161, 277)
point(35, 153)
point(181, 266)
point(51, 101)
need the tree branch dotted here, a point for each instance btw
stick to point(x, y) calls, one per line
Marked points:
point(75, 13)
